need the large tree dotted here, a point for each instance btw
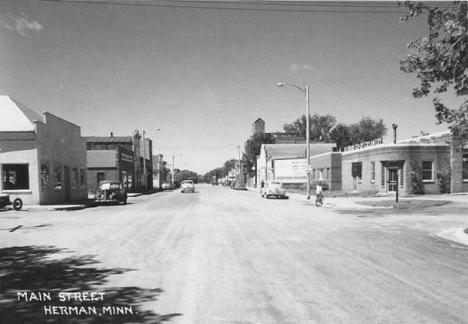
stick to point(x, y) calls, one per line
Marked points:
point(440, 59)
point(320, 127)
point(367, 129)
point(252, 150)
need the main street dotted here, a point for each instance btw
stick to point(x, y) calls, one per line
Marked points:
point(225, 256)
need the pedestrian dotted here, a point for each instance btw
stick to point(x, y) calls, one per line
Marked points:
point(262, 184)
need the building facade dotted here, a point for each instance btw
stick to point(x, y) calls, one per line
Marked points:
point(120, 158)
point(43, 158)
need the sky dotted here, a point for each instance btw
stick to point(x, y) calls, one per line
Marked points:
point(202, 72)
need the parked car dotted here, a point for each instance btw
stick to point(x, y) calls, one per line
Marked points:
point(5, 201)
point(111, 191)
point(166, 186)
point(187, 185)
point(239, 186)
point(273, 189)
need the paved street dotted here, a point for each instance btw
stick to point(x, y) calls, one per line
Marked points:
point(225, 256)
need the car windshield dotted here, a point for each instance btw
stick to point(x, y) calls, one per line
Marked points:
point(187, 182)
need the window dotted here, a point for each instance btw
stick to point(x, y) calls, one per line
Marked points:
point(356, 170)
point(101, 176)
point(328, 174)
point(465, 167)
point(45, 176)
point(74, 178)
point(320, 174)
point(58, 177)
point(427, 173)
point(15, 177)
point(372, 172)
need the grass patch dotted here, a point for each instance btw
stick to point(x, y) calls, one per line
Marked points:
point(416, 204)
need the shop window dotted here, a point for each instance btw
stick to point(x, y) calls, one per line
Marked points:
point(328, 174)
point(82, 178)
point(15, 177)
point(74, 178)
point(465, 167)
point(101, 176)
point(427, 171)
point(45, 176)
point(58, 177)
point(320, 174)
point(372, 172)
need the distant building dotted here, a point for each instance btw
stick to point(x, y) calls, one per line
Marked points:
point(42, 158)
point(287, 162)
point(158, 171)
point(120, 158)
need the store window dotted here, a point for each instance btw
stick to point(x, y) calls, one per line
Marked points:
point(320, 174)
point(427, 171)
point(45, 176)
point(15, 176)
point(356, 170)
point(328, 174)
point(58, 177)
point(465, 167)
point(372, 172)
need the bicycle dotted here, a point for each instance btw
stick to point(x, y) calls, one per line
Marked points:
point(319, 200)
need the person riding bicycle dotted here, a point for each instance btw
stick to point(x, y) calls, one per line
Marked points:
point(319, 194)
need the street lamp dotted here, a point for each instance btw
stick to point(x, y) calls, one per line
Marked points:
point(240, 165)
point(306, 92)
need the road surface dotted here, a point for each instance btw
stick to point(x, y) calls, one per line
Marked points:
point(225, 256)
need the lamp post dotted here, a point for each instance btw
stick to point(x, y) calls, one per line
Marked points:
point(306, 92)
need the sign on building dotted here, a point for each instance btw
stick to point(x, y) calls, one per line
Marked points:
point(290, 170)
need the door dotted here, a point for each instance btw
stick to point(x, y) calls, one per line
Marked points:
point(392, 180)
point(67, 184)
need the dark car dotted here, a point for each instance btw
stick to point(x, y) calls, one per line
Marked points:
point(111, 191)
point(5, 201)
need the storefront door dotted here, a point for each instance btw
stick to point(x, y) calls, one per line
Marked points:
point(392, 179)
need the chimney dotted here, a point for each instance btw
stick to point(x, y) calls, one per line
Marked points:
point(112, 134)
point(394, 132)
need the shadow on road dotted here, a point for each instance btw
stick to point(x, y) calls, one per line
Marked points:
point(31, 280)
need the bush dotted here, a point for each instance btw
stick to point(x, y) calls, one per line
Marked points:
point(416, 183)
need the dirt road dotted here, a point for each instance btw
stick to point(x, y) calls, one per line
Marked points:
point(225, 256)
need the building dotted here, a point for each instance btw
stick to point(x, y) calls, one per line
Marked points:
point(120, 158)
point(43, 158)
point(287, 162)
point(158, 171)
point(429, 164)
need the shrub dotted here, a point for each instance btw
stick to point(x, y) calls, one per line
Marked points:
point(416, 183)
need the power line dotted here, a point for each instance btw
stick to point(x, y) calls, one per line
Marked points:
point(265, 6)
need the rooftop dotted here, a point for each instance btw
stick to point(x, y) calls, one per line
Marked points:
point(16, 117)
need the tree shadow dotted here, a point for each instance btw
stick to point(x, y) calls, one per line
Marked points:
point(32, 277)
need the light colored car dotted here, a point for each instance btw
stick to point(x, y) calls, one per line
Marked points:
point(166, 186)
point(187, 185)
point(273, 189)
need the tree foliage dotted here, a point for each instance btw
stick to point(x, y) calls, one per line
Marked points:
point(367, 129)
point(185, 175)
point(221, 171)
point(252, 150)
point(440, 59)
point(320, 127)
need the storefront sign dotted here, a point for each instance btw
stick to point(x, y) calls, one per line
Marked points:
point(363, 145)
point(291, 170)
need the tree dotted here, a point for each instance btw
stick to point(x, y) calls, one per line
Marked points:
point(182, 175)
point(341, 135)
point(320, 127)
point(441, 59)
point(252, 150)
point(367, 129)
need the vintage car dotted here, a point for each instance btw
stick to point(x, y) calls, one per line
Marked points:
point(111, 191)
point(166, 186)
point(187, 185)
point(239, 186)
point(273, 189)
point(5, 201)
